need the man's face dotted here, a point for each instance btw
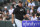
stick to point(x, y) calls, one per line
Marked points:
point(5, 8)
point(20, 4)
point(32, 8)
point(11, 7)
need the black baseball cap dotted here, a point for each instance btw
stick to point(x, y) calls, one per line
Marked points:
point(20, 2)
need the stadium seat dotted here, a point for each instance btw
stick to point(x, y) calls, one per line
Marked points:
point(36, 3)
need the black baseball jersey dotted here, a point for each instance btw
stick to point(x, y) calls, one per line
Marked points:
point(19, 12)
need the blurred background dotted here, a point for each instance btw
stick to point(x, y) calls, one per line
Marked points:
point(32, 8)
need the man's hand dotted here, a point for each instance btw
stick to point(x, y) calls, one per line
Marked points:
point(27, 16)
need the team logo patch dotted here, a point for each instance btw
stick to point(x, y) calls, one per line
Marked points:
point(21, 9)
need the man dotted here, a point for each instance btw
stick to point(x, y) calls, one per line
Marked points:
point(31, 4)
point(31, 11)
point(1, 18)
point(5, 13)
point(38, 11)
point(34, 18)
point(19, 12)
point(10, 11)
point(14, 4)
point(5, 10)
